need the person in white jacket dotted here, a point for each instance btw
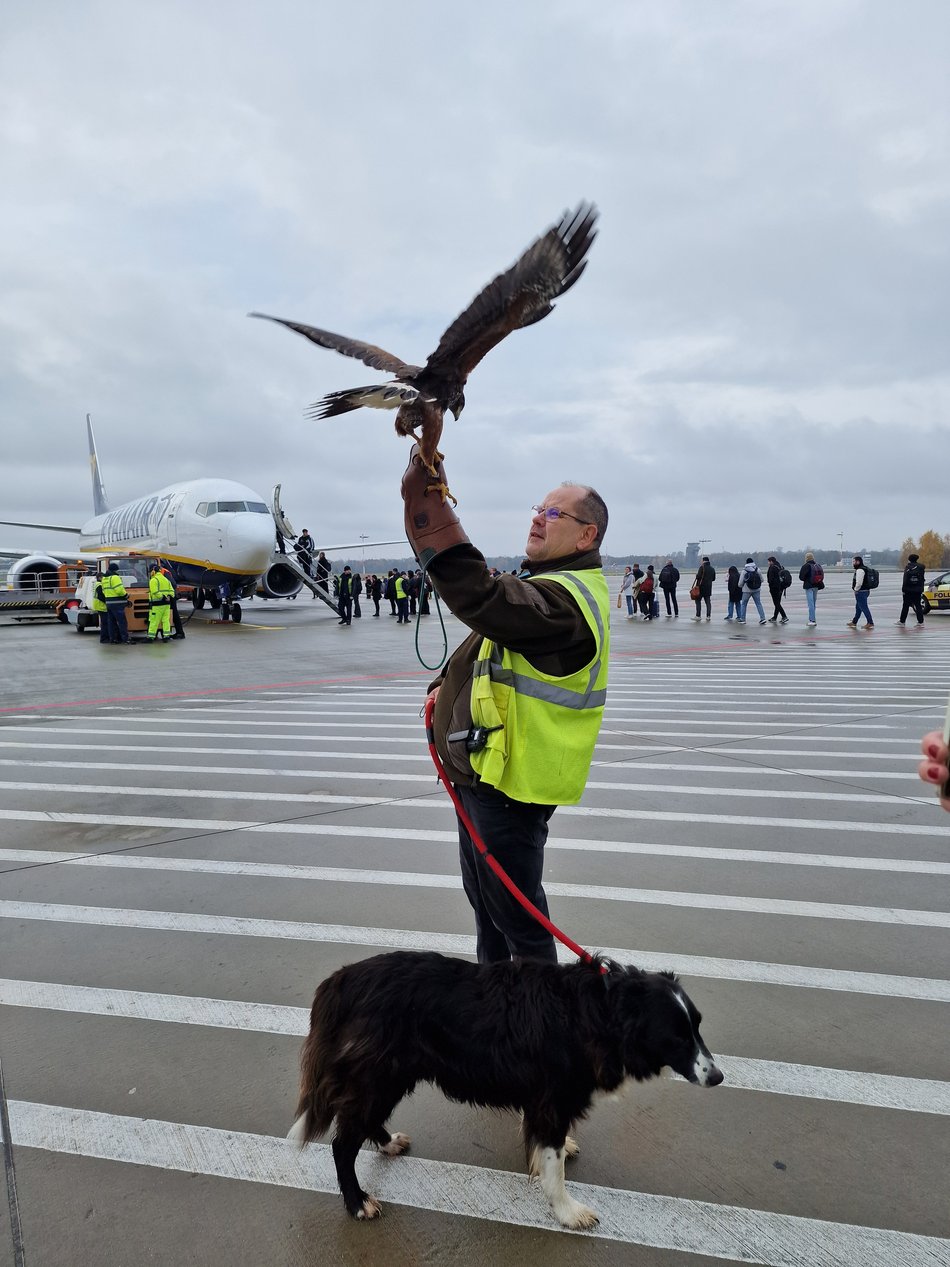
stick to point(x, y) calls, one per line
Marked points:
point(627, 589)
point(751, 583)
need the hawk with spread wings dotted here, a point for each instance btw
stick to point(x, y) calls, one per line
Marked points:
point(520, 297)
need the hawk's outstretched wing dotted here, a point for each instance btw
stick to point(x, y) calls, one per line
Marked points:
point(368, 353)
point(519, 297)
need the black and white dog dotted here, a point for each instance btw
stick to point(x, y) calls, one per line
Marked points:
point(536, 1037)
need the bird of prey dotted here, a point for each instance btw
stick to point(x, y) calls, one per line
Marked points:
point(422, 393)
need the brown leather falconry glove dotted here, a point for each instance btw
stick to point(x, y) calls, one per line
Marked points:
point(432, 526)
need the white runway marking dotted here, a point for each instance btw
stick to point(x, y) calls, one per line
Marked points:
point(318, 798)
point(397, 834)
point(428, 880)
point(873, 1090)
point(428, 777)
point(924, 988)
point(301, 754)
point(674, 1223)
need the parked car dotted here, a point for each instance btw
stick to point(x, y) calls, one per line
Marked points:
point(937, 594)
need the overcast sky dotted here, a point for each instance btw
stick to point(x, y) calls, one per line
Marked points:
point(756, 355)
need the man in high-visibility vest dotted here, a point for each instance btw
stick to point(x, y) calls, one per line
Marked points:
point(519, 705)
point(116, 601)
point(402, 600)
point(160, 595)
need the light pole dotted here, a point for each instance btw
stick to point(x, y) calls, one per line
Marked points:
point(841, 549)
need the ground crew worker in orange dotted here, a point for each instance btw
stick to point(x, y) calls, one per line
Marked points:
point(160, 595)
point(519, 705)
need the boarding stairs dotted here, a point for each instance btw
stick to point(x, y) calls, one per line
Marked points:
point(292, 564)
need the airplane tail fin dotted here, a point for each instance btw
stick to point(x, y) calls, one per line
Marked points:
point(99, 503)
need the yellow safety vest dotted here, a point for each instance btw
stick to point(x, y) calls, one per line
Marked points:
point(160, 589)
point(112, 587)
point(547, 726)
point(98, 604)
point(401, 588)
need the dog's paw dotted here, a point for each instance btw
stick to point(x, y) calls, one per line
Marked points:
point(371, 1209)
point(398, 1143)
point(571, 1147)
point(576, 1216)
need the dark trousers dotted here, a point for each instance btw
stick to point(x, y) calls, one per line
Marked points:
point(777, 600)
point(392, 605)
point(670, 596)
point(118, 626)
point(176, 620)
point(515, 834)
point(356, 606)
point(376, 605)
point(645, 603)
point(345, 608)
point(703, 598)
point(402, 611)
point(912, 600)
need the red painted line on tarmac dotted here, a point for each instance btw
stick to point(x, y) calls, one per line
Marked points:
point(218, 690)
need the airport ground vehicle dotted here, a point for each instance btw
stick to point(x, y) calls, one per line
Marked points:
point(937, 594)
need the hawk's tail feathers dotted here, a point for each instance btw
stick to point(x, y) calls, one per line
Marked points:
point(377, 396)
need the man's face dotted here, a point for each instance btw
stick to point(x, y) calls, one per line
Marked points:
point(556, 538)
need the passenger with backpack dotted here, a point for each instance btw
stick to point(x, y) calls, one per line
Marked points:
point(751, 583)
point(779, 580)
point(669, 579)
point(864, 580)
point(812, 577)
point(912, 588)
point(645, 592)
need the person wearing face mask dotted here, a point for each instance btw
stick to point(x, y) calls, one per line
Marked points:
point(519, 704)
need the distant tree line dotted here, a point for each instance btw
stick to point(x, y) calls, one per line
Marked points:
point(932, 549)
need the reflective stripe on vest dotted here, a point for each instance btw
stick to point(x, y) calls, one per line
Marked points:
point(112, 587)
point(536, 751)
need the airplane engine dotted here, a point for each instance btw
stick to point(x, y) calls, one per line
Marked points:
point(36, 572)
point(279, 582)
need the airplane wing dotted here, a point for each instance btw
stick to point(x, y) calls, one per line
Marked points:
point(357, 545)
point(15, 523)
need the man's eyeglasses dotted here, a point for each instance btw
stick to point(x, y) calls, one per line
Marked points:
point(552, 512)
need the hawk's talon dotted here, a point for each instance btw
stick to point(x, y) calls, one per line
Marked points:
point(444, 492)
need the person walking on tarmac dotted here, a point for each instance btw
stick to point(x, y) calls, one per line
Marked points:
point(116, 601)
point(402, 599)
point(160, 595)
point(345, 600)
point(519, 705)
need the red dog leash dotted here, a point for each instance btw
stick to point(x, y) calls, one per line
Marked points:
point(480, 845)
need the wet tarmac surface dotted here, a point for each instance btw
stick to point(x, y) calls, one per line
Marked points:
point(194, 835)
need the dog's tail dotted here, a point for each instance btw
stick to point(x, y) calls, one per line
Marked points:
point(316, 1106)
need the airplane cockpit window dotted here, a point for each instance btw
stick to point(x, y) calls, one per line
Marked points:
point(231, 508)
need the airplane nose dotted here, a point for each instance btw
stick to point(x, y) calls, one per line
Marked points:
point(251, 541)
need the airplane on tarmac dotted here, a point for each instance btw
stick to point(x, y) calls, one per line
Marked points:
point(217, 537)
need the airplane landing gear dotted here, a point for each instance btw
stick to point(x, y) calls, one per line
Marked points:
point(231, 611)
